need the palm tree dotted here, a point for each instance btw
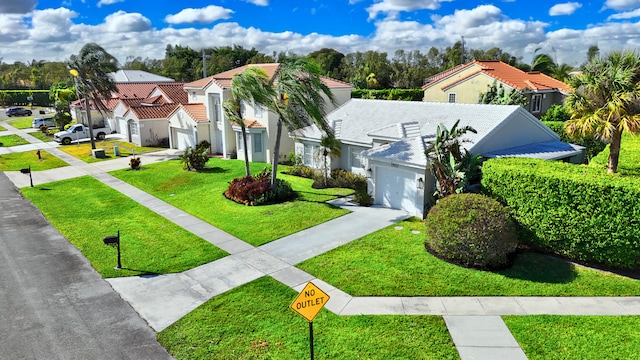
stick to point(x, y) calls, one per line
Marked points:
point(251, 86)
point(299, 101)
point(330, 148)
point(91, 68)
point(606, 101)
point(451, 164)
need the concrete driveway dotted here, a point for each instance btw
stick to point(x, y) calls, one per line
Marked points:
point(54, 304)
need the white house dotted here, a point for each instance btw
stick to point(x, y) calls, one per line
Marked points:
point(386, 140)
point(206, 96)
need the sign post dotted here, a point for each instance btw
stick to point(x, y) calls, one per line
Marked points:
point(308, 304)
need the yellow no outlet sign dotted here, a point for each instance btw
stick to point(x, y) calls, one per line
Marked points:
point(310, 301)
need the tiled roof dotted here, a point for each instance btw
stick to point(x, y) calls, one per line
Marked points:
point(153, 112)
point(156, 100)
point(223, 79)
point(175, 92)
point(137, 76)
point(551, 150)
point(197, 112)
point(445, 73)
point(138, 90)
point(509, 75)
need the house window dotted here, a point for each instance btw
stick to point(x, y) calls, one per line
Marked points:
point(214, 103)
point(452, 97)
point(134, 129)
point(536, 103)
point(307, 158)
point(257, 110)
point(257, 143)
point(355, 159)
point(239, 142)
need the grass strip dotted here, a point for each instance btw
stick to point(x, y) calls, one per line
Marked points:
point(17, 161)
point(394, 262)
point(85, 210)
point(24, 122)
point(12, 140)
point(83, 152)
point(576, 337)
point(200, 193)
point(254, 322)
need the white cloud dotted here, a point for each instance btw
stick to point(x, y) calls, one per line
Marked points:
point(393, 7)
point(108, 2)
point(625, 15)
point(622, 4)
point(12, 28)
point(52, 24)
point(123, 22)
point(259, 2)
point(17, 6)
point(564, 9)
point(205, 15)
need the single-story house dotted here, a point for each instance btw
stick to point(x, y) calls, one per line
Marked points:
point(386, 140)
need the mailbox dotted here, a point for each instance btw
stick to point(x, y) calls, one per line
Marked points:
point(111, 240)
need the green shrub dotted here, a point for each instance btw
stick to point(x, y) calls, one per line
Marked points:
point(196, 158)
point(256, 190)
point(301, 171)
point(572, 210)
point(472, 230)
point(362, 197)
point(556, 112)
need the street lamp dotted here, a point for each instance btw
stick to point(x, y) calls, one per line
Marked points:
point(204, 63)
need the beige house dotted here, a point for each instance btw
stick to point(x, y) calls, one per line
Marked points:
point(203, 118)
point(465, 83)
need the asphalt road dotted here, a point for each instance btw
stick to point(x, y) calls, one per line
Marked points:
point(54, 304)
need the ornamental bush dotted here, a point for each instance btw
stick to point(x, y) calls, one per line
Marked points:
point(257, 190)
point(471, 230)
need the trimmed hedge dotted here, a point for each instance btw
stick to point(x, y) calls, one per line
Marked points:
point(389, 94)
point(572, 210)
point(19, 97)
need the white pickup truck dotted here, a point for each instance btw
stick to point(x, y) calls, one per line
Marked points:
point(78, 132)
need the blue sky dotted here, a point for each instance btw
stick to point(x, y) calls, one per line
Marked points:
point(55, 29)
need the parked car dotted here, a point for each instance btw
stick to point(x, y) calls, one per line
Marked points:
point(38, 122)
point(78, 132)
point(18, 111)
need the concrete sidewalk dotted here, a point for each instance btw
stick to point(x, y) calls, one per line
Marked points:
point(473, 322)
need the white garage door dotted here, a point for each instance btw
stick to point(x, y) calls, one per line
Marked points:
point(184, 139)
point(396, 189)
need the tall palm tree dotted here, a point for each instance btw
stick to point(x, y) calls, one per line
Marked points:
point(251, 86)
point(606, 101)
point(299, 101)
point(91, 68)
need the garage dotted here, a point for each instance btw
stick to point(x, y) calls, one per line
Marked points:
point(184, 139)
point(396, 188)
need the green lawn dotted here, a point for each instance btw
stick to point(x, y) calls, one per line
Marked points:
point(85, 210)
point(394, 262)
point(17, 161)
point(201, 194)
point(12, 140)
point(2, 128)
point(24, 122)
point(254, 321)
point(552, 337)
point(39, 135)
point(83, 152)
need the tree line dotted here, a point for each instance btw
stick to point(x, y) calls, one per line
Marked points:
point(365, 70)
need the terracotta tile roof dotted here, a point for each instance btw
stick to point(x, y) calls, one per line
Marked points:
point(198, 112)
point(175, 92)
point(223, 79)
point(143, 112)
point(156, 100)
point(134, 90)
point(253, 124)
point(509, 75)
point(444, 74)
